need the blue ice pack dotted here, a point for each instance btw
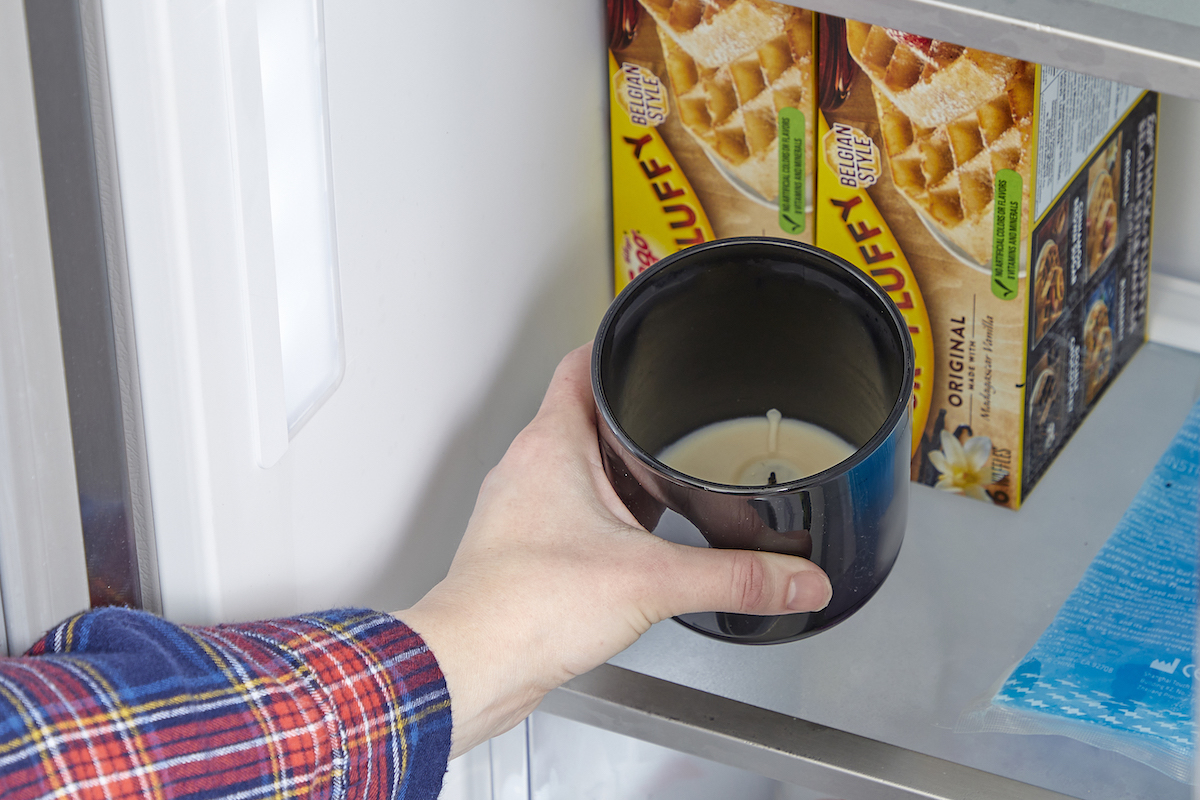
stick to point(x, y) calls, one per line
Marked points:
point(1116, 668)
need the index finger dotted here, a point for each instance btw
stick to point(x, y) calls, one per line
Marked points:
point(569, 396)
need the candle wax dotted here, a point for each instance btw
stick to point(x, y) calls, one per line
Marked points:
point(756, 451)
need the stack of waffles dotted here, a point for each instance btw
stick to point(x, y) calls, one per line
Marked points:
point(733, 64)
point(1098, 348)
point(1101, 220)
point(950, 117)
point(1049, 288)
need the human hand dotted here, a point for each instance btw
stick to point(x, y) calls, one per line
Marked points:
point(554, 576)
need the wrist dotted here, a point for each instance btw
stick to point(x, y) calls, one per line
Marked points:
point(487, 694)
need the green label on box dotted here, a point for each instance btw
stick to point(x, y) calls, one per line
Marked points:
point(791, 170)
point(1006, 235)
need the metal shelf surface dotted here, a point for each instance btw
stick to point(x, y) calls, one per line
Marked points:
point(1152, 44)
point(869, 708)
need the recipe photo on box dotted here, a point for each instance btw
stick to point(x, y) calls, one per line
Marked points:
point(947, 173)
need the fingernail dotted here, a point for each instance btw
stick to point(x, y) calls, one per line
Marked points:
point(808, 591)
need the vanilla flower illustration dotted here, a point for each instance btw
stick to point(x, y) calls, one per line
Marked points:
point(963, 467)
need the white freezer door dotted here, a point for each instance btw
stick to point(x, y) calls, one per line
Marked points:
point(466, 145)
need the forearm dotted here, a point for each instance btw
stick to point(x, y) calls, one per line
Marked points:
point(117, 702)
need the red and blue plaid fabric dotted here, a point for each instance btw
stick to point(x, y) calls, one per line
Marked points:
point(116, 703)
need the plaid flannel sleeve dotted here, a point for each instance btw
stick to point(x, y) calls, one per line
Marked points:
point(116, 703)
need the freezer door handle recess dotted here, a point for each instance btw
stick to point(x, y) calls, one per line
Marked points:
point(276, 82)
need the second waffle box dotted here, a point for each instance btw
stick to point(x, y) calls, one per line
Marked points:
point(1006, 207)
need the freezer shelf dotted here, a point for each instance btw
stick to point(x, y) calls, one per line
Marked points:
point(876, 699)
point(1152, 45)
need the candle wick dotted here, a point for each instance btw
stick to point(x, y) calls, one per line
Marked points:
point(771, 480)
point(773, 419)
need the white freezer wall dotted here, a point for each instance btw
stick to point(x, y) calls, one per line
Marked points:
point(1176, 243)
point(469, 156)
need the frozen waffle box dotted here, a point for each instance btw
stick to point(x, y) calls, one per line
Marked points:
point(1006, 207)
point(712, 114)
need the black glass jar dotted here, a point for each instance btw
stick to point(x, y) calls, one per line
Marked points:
point(730, 329)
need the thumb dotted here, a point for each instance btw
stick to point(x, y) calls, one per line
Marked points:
point(743, 582)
